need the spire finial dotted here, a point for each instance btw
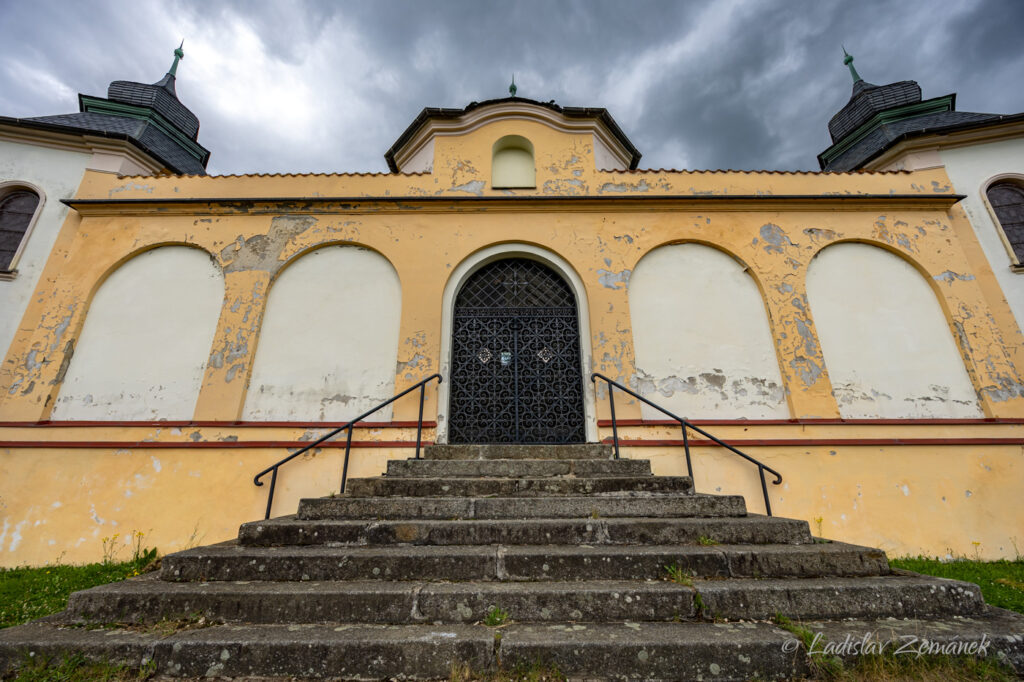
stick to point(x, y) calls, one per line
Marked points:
point(848, 61)
point(178, 55)
point(512, 88)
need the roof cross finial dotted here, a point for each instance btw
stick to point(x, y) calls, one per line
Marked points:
point(512, 88)
point(178, 55)
point(848, 60)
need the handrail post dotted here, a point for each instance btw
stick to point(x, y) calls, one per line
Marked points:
point(764, 490)
point(270, 493)
point(419, 422)
point(348, 448)
point(615, 428)
point(686, 448)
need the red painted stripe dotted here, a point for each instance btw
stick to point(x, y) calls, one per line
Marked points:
point(223, 424)
point(189, 445)
point(763, 442)
point(812, 422)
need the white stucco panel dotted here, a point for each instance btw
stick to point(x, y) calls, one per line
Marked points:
point(146, 339)
point(701, 336)
point(885, 340)
point(329, 340)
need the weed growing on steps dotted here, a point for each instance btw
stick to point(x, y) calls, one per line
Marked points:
point(496, 616)
point(678, 574)
point(821, 665)
point(707, 541)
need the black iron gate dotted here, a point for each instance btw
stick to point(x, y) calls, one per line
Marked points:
point(516, 375)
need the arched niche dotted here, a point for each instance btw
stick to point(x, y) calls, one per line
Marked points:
point(885, 340)
point(146, 339)
point(512, 164)
point(701, 337)
point(329, 339)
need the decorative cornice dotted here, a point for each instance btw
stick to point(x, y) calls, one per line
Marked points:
point(447, 204)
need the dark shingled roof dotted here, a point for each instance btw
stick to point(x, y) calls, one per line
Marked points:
point(867, 100)
point(879, 116)
point(886, 135)
point(161, 98)
point(149, 116)
point(570, 112)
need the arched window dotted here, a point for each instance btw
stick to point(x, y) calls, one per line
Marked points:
point(1007, 200)
point(512, 163)
point(16, 211)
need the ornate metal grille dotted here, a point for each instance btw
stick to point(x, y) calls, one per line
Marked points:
point(516, 374)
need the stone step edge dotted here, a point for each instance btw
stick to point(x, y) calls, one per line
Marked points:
point(647, 650)
point(291, 530)
point(312, 508)
point(572, 467)
point(519, 562)
point(148, 600)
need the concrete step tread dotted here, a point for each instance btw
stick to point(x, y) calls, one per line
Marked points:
point(149, 599)
point(754, 529)
point(506, 486)
point(515, 451)
point(518, 562)
point(625, 505)
point(678, 651)
point(518, 467)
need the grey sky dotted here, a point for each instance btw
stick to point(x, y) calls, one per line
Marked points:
point(321, 86)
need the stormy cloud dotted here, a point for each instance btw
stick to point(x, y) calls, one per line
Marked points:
point(322, 86)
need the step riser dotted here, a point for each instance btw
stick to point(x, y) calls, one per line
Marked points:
point(409, 604)
point(512, 487)
point(509, 532)
point(539, 602)
point(582, 451)
point(624, 651)
point(722, 599)
point(518, 468)
point(674, 506)
point(525, 564)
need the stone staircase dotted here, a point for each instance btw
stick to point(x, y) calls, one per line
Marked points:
point(395, 579)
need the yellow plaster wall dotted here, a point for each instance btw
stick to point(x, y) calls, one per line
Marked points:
point(602, 224)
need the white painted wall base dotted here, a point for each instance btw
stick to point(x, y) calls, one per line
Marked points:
point(885, 340)
point(701, 336)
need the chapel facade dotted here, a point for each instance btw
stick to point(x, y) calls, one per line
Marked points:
point(187, 331)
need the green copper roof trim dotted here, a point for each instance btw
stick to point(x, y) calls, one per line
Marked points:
point(97, 105)
point(178, 55)
point(930, 106)
point(848, 60)
point(512, 88)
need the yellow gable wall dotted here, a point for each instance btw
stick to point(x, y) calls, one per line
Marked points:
point(601, 223)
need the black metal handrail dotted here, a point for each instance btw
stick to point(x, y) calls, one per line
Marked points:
point(761, 468)
point(348, 443)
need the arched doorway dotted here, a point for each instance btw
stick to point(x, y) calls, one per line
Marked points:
point(515, 363)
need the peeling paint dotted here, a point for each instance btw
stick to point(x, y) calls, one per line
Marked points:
point(263, 251)
point(612, 280)
point(472, 187)
point(623, 187)
point(775, 238)
point(948, 276)
point(808, 370)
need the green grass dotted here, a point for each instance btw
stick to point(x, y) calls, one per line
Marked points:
point(1001, 582)
point(77, 668)
point(495, 617)
point(30, 593)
